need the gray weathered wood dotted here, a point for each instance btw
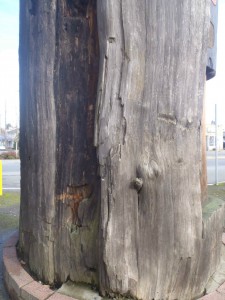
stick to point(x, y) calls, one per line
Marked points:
point(111, 146)
point(148, 126)
point(60, 186)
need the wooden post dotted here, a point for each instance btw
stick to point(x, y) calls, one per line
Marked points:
point(59, 61)
point(110, 145)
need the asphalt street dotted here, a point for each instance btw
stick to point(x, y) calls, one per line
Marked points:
point(11, 174)
point(211, 166)
point(11, 170)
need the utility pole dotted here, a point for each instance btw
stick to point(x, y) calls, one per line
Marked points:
point(5, 114)
point(5, 125)
point(216, 147)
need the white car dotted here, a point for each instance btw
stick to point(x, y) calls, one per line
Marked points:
point(2, 147)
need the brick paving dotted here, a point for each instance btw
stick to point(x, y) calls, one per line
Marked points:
point(36, 290)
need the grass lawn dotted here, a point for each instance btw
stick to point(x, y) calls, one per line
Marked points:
point(8, 203)
point(217, 191)
point(8, 221)
point(216, 199)
point(9, 199)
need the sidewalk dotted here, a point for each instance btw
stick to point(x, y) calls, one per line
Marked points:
point(4, 236)
point(9, 217)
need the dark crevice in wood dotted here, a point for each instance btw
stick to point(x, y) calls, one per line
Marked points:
point(92, 269)
point(76, 7)
point(33, 9)
point(100, 98)
point(112, 39)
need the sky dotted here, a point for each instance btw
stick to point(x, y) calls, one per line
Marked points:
point(215, 88)
point(9, 70)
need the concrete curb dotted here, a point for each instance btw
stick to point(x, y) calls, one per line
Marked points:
point(21, 286)
point(219, 294)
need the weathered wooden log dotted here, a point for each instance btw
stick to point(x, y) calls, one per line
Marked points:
point(111, 145)
point(59, 59)
point(152, 74)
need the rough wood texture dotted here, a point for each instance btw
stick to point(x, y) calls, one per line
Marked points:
point(76, 76)
point(128, 219)
point(38, 131)
point(204, 179)
point(58, 83)
point(148, 126)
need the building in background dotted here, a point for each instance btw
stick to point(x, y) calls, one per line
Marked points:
point(9, 138)
point(211, 137)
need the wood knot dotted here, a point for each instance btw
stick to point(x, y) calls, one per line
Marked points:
point(137, 184)
point(149, 171)
point(111, 39)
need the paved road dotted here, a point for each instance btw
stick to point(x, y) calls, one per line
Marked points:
point(11, 174)
point(11, 170)
point(211, 166)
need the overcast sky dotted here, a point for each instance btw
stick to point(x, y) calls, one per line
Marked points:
point(9, 74)
point(215, 88)
point(9, 87)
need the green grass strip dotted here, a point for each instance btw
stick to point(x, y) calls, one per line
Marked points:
point(9, 199)
point(8, 221)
